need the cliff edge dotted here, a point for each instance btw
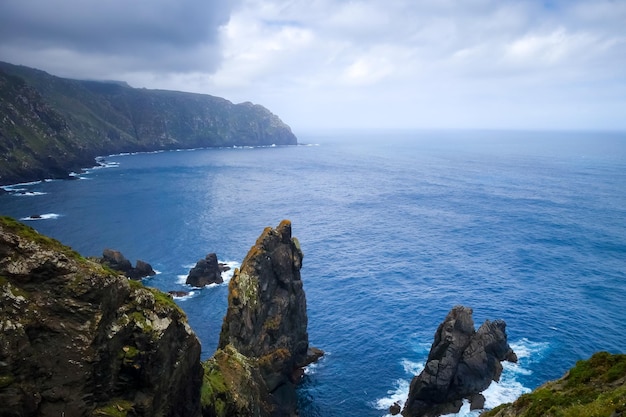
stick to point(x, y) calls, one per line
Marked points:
point(78, 339)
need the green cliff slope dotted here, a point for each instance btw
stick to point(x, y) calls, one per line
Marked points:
point(593, 388)
point(50, 126)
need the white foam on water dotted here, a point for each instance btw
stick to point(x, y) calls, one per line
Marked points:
point(508, 389)
point(29, 193)
point(185, 297)
point(46, 216)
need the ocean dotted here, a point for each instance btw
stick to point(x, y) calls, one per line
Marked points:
point(397, 227)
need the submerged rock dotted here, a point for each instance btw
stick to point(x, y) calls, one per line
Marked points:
point(264, 341)
point(79, 340)
point(461, 364)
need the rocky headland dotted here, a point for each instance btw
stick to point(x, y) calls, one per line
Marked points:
point(52, 126)
point(461, 364)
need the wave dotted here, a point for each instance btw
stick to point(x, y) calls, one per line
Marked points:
point(46, 216)
point(508, 389)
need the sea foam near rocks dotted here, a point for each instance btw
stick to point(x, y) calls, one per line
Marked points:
point(507, 390)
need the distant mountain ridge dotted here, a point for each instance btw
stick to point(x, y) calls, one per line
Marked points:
point(50, 126)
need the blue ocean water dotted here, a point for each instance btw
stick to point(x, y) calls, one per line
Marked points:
point(396, 229)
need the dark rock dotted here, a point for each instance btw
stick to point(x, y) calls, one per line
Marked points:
point(118, 262)
point(395, 409)
point(79, 340)
point(142, 269)
point(462, 363)
point(115, 260)
point(265, 329)
point(207, 271)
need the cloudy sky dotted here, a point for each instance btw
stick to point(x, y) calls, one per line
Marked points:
point(348, 63)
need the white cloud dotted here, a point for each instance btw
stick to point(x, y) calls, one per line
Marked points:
point(425, 63)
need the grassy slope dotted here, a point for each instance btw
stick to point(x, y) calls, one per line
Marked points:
point(593, 388)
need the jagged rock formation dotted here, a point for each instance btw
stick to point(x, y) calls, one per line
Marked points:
point(461, 364)
point(264, 341)
point(50, 126)
point(115, 260)
point(594, 387)
point(77, 339)
point(206, 271)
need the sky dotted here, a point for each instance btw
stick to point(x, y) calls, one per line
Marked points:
point(326, 64)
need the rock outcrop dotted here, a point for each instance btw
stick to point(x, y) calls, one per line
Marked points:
point(264, 341)
point(115, 260)
point(594, 387)
point(461, 364)
point(206, 271)
point(77, 339)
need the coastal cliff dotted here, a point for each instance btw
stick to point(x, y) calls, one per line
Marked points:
point(264, 342)
point(78, 339)
point(51, 126)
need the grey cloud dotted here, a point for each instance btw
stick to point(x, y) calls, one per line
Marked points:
point(144, 30)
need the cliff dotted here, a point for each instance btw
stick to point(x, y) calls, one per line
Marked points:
point(50, 126)
point(593, 388)
point(264, 341)
point(78, 339)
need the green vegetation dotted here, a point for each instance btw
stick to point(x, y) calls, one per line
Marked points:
point(593, 388)
point(29, 233)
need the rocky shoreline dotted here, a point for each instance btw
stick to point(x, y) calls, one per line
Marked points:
point(79, 338)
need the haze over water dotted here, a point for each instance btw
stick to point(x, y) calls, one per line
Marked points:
point(396, 229)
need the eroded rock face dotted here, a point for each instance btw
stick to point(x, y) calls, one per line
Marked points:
point(76, 340)
point(461, 364)
point(266, 325)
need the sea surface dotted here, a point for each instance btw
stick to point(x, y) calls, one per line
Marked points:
point(396, 228)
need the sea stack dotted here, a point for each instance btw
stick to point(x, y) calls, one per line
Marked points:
point(264, 342)
point(461, 364)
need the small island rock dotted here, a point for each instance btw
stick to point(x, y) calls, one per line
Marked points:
point(207, 271)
